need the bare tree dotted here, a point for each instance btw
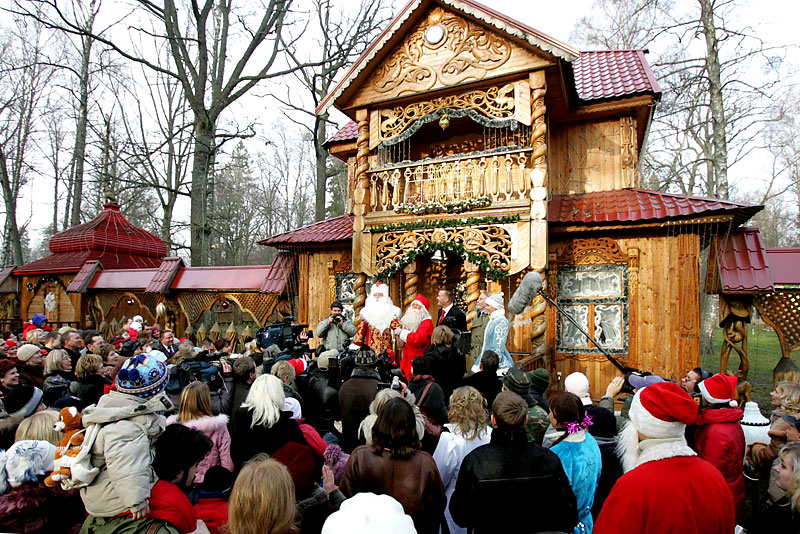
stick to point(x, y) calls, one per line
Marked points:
point(25, 78)
point(200, 37)
point(341, 39)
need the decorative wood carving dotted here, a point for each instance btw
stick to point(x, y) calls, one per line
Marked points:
point(260, 306)
point(594, 251)
point(344, 265)
point(495, 102)
point(361, 196)
point(494, 242)
point(628, 155)
point(473, 290)
point(734, 312)
point(410, 285)
point(468, 52)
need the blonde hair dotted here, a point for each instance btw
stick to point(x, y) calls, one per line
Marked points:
point(284, 370)
point(32, 336)
point(789, 393)
point(266, 399)
point(39, 426)
point(792, 450)
point(195, 402)
point(263, 499)
point(442, 335)
point(250, 347)
point(87, 365)
point(468, 410)
point(54, 360)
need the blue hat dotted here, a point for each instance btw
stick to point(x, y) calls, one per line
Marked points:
point(142, 376)
point(38, 319)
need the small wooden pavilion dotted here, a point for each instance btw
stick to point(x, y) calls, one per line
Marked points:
point(477, 137)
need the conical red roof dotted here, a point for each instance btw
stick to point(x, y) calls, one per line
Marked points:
point(109, 238)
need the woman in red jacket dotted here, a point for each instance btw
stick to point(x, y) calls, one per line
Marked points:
point(719, 438)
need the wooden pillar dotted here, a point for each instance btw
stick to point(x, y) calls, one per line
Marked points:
point(410, 285)
point(360, 201)
point(473, 291)
point(360, 290)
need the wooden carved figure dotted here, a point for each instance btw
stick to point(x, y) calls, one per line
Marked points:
point(734, 314)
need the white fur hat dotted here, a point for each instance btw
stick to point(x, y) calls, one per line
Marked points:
point(379, 288)
point(367, 513)
point(495, 300)
point(578, 384)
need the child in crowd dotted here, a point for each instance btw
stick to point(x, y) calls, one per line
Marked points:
point(129, 422)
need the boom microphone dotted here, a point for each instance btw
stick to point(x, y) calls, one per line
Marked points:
point(530, 285)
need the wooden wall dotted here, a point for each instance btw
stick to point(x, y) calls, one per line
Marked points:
point(68, 305)
point(592, 156)
point(664, 311)
point(315, 289)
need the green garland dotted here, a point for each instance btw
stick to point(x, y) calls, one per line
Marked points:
point(446, 223)
point(429, 247)
point(451, 206)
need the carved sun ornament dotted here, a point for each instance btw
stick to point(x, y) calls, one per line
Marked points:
point(435, 34)
point(50, 302)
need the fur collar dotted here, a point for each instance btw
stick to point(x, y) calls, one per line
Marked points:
point(203, 424)
point(661, 449)
point(365, 372)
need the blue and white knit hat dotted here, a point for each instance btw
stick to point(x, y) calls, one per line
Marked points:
point(142, 376)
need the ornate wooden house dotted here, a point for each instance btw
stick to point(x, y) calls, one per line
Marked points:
point(481, 149)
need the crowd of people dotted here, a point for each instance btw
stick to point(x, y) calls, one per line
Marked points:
point(402, 422)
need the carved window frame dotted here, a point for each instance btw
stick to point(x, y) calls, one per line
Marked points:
point(591, 303)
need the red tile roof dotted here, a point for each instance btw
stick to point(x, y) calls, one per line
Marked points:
point(164, 276)
point(631, 205)
point(109, 237)
point(348, 133)
point(243, 278)
point(783, 263)
point(613, 74)
point(336, 229)
point(279, 271)
point(6, 272)
point(122, 279)
point(739, 263)
point(84, 276)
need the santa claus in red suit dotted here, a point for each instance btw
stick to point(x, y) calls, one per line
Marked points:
point(377, 320)
point(415, 333)
point(666, 488)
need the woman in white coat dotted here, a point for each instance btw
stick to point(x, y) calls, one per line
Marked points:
point(469, 429)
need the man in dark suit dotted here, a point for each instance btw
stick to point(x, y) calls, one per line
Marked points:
point(448, 314)
point(167, 343)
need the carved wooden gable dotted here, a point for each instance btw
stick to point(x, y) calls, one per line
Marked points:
point(444, 50)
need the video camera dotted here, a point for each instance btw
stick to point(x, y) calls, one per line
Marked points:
point(284, 334)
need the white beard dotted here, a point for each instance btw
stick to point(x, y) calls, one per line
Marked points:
point(628, 446)
point(413, 318)
point(379, 313)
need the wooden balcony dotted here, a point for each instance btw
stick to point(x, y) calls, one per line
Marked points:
point(486, 179)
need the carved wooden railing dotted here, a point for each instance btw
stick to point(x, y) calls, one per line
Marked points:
point(499, 177)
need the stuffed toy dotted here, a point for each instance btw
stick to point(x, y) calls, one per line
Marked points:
point(68, 447)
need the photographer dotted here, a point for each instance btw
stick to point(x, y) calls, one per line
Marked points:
point(335, 330)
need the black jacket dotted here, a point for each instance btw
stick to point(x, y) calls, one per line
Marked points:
point(454, 319)
point(322, 403)
point(487, 383)
point(246, 442)
point(447, 367)
point(511, 485)
point(89, 388)
point(355, 395)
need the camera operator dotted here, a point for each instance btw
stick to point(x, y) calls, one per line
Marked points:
point(335, 330)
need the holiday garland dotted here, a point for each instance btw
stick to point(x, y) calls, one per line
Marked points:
point(432, 206)
point(447, 223)
point(428, 247)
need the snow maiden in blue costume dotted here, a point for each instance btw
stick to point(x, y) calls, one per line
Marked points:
point(496, 334)
point(578, 452)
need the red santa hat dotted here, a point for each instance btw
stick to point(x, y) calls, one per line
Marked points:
point(662, 410)
point(379, 288)
point(422, 300)
point(719, 389)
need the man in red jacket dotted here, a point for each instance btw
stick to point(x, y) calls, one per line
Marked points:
point(666, 488)
point(718, 436)
point(416, 332)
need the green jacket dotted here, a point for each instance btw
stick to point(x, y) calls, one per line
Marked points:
point(126, 525)
point(478, 330)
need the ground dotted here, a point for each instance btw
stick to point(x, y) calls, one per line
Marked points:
point(764, 351)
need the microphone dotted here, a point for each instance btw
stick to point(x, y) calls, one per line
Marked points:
point(528, 288)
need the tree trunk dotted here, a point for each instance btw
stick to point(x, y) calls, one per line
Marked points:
point(718, 122)
point(322, 165)
point(204, 129)
point(12, 248)
point(79, 153)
